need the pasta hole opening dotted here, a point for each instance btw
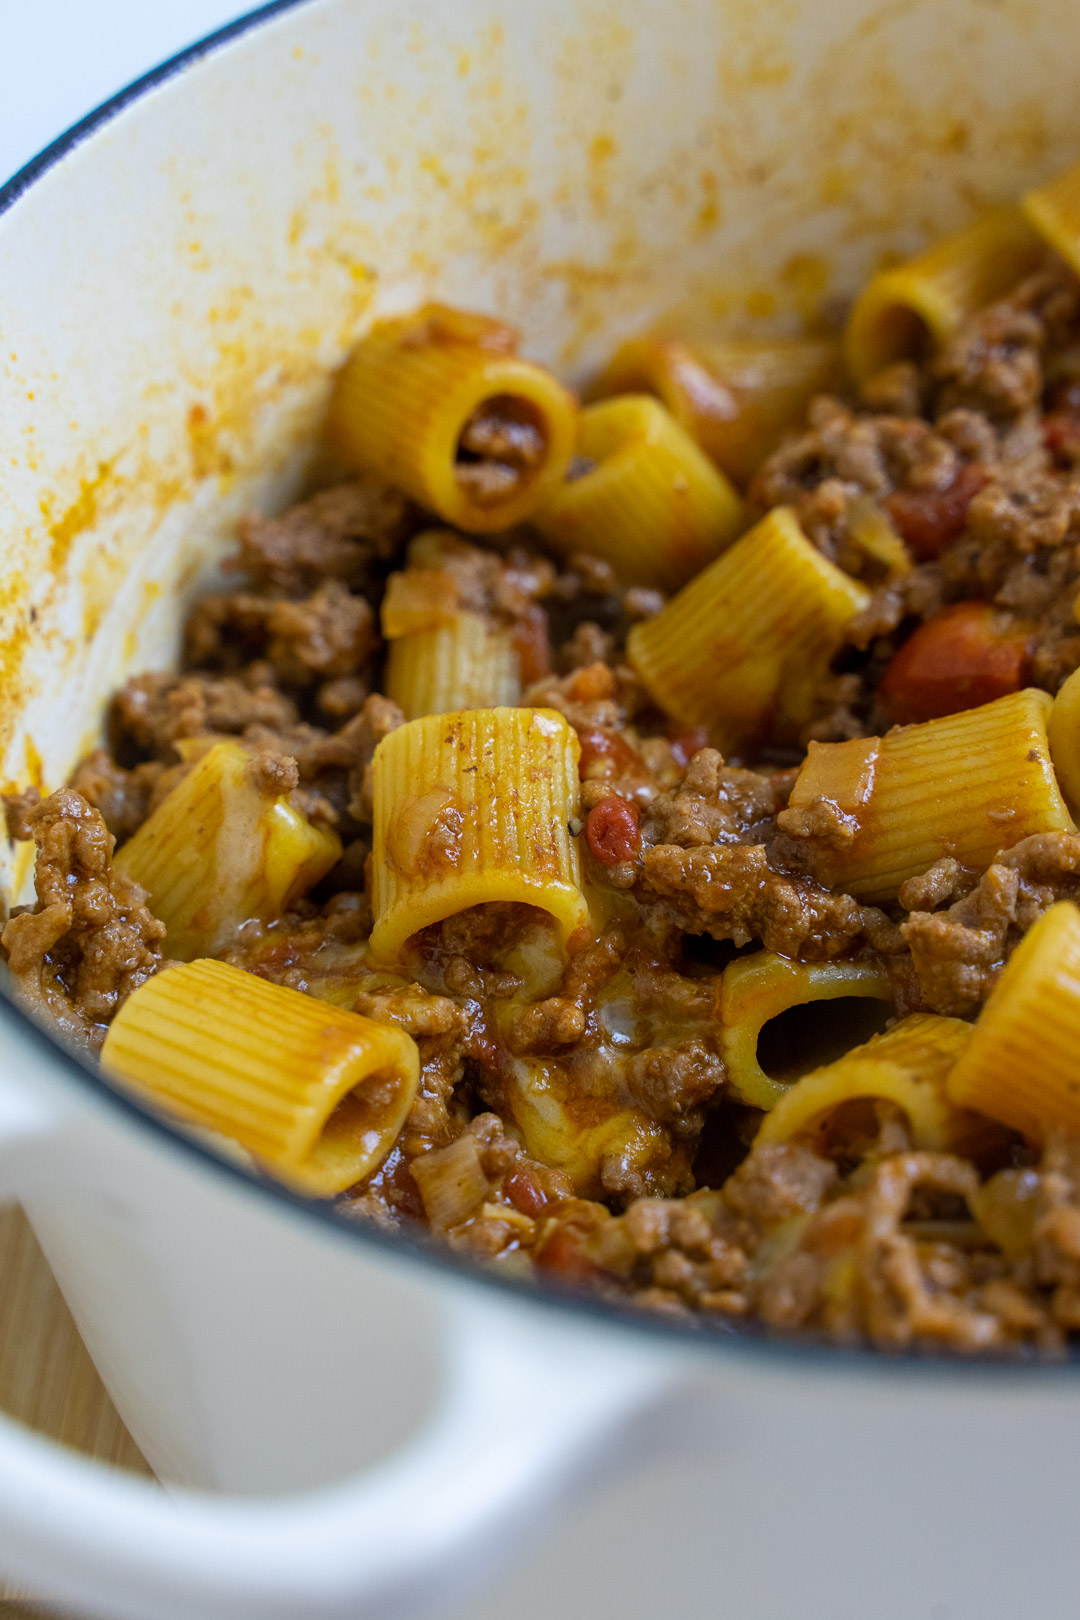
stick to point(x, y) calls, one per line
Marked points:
point(817, 1032)
point(502, 446)
point(855, 1127)
point(356, 1125)
point(929, 1204)
point(729, 1131)
point(644, 378)
point(901, 333)
point(701, 950)
point(519, 945)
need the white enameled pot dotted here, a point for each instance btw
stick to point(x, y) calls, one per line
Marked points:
point(350, 1428)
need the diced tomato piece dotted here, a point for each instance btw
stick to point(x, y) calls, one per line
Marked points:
point(530, 642)
point(562, 1254)
point(393, 1180)
point(685, 744)
point(592, 684)
point(612, 831)
point(928, 520)
point(599, 744)
point(1061, 435)
point(525, 1193)
point(956, 660)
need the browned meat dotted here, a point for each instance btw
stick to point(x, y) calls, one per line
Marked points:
point(89, 940)
point(714, 803)
point(334, 769)
point(125, 798)
point(788, 1241)
point(1027, 508)
point(959, 953)
point(343, 533)
point(154, 711)
point(995, 363)
point(17, 808)
point(777, 1181)
point(469, 578)
point(331, 634)
point(733, 893)
point(325, 636)
point(351, 750)
point(845, 456)
point(674, 1083)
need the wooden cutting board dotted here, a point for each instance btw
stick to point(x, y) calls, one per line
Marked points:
point(47, 1379)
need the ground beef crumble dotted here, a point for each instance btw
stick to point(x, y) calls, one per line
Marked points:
point(958, 953)
point(348, 533)
point(89, 940)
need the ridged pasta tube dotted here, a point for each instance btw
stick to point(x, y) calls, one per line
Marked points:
point(906, 1065)
point(418, 598)
point(652, 504)
point(736, 398)
point(435, 404)
point(316, 1093)
point(223, 847)
point(1063, 730)
point(1054, 211)
point(924, 300)
point(967, 785)
point(743, 643)
point(758, 988)
point(468, 663)
point(1022, 1064)
point(474, 807)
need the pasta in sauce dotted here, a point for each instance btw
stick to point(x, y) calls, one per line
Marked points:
point(634, 840)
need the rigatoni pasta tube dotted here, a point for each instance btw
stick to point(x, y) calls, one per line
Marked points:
point(418, 598)
point(1054, 211)
point(316, 1093)
point(906, 1065)
point(925, 300)
point(468, 663)
point(758, 988)
point(650, 502)
point(967, 785)
point(1022, 1064)
point(1063, 730)
point(742, 643)
point(469, 808)
point(736, 397)
point(436, 405)
point(223, 847)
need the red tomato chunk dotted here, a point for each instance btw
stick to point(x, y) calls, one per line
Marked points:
point(561, 1253)
point(685, 744)
point(525, 1193)
point(530, 642)
point(1061, 435)
point(956, 660)
point(597, 743)
point(928, 520)
point(612, 831)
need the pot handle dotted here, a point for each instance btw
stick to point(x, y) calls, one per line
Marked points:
point(529, 1397)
